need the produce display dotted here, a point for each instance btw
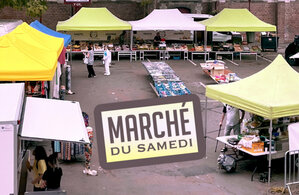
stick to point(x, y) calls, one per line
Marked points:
point(166, 82)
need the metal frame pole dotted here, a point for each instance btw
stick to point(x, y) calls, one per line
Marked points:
point(131, 40)
point(206, 121)
point(205, 42)
point(270, 152)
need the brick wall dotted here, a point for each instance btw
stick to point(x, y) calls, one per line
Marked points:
point(284, 15)
point(125, 10)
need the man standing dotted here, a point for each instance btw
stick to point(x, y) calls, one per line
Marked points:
point(233, 119)
point(107, 60)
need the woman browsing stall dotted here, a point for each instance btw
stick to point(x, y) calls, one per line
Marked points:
point(39, 167)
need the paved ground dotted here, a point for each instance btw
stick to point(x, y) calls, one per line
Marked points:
point(128, 81)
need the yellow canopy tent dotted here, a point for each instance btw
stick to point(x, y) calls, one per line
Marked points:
point(93, 19)
point(28, 55)
point(271, 93)
point(240, 20)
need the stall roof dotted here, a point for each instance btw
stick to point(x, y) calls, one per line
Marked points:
point(27, 54)
point(166, 19)
point(240, 20)
point(38, 26)
point(93, 19)
point(48, 119)
point(11, 101)
point(271, 93)
point(7, 25)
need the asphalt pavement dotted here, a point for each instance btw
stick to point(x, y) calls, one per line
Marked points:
point(129, 81)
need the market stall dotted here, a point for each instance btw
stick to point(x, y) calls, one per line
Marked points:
point(28, 55)
point(7, 26)
point(43, 119)
point(240, 20)
point(11, 101)
point(97, 25)
point(270, 93)
point(55, 83)
point(165, 20)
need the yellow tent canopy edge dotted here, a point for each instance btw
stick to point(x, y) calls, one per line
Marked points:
point(93, 19)
point(240, 20)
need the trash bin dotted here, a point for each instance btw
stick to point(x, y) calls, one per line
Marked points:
point(269, 43)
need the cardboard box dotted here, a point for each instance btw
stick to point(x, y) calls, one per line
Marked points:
point(217, 70)
point(256, 147)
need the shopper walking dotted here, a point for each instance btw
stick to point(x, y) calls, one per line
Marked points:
point(39, 167)
point(107, 60)
point(52, 175)
point(90, 57)
point(88, 153)
point(233, 119)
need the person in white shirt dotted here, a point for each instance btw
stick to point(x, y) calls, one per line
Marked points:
point(233, 119)
point(107, 61)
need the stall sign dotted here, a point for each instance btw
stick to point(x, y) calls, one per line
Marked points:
point(150, 131)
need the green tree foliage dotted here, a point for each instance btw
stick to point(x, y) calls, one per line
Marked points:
point(34, 8)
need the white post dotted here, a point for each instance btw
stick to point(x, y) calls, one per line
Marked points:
point(205, 42)
point(270, 152)
point(131, 40)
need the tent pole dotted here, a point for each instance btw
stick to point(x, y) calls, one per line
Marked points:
point(276, 41)
point(131, 40)
point(270, 152)
point(205, 42)
point(195, 36)
point(206, 121)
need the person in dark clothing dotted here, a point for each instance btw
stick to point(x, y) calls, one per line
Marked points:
point(52, 175)
point(90, 57)
point(157, 39)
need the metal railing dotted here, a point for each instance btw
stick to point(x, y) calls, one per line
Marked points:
point(291, 169)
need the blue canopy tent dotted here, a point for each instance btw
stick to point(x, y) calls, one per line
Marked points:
point(38, 26)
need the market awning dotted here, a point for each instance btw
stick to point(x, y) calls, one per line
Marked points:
point(93, 19)
point(38, 26)
point(27, 54)
point(240, 20)
point(48, 119)
point(7, 25)
point(271, 93)
point(166, 19)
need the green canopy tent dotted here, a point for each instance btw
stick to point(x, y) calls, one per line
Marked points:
point(240, 20)
point(93, 19)
point(270, 93)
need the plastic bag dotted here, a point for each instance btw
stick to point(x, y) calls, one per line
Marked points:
point(85, 60)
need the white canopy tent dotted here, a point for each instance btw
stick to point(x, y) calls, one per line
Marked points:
point(165, 19)
point(53, 120)
point(11, 101)
point(43, 119)
point(7, 26)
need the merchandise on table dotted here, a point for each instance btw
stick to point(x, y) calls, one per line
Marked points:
point(171, 89)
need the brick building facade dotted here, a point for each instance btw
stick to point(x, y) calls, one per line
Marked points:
point(283, 14)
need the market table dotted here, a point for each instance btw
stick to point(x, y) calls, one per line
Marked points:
point(143, 53)
point(224, 139)
point(248, 53)
point(224, 53)
point(205, 54)
point(131, 54)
